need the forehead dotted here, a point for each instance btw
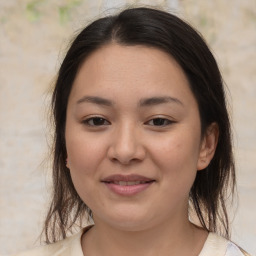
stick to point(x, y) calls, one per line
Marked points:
point(118, 71)
point(126, 60)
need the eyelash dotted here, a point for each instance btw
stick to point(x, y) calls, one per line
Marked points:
point(169, 122)
point(86, 121)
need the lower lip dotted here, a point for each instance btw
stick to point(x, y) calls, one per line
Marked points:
point(128, 190)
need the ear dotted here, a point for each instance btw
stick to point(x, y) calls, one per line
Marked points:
point(67, 165)
point(208, 146)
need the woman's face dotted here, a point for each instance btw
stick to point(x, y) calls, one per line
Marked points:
point(133, 137)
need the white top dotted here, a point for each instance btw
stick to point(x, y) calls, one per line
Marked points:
point(215, 245)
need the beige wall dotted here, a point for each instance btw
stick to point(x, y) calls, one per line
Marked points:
point(33, 38)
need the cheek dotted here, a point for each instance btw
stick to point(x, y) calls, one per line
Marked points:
point(176, 157)
point(84, 157)
point(177, 150)
point(84, 154)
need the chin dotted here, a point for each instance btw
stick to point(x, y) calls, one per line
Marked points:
point(127, 220)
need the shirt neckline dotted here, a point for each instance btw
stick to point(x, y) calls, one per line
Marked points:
point(213, 245)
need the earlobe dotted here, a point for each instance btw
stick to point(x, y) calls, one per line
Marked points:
point(67, 163)
point(208, 146)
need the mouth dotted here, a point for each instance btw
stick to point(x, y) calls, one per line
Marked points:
point(127, 185)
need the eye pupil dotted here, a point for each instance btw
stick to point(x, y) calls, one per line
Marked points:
point(98, 121)
point(159, 121)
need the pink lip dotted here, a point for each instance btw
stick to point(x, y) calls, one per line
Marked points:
point(127, 190)
point(130, 177)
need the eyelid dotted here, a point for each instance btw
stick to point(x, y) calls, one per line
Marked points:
point(87, 119)
point(169, 121)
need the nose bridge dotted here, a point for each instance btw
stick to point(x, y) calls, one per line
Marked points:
point(126, 144)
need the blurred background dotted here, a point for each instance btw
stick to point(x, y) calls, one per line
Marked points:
point(34, 36)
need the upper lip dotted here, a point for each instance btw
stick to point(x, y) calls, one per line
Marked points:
point(130, 177)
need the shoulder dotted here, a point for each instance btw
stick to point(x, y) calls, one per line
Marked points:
point(67, 247)
point(234, 250)
point(217, 245)
point(45, 250)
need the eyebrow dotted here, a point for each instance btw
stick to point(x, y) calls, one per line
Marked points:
point(159, 100)
point(152, 101)
point(96, 100)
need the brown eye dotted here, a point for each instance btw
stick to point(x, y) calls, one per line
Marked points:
point(96, 121)
point(160, 122)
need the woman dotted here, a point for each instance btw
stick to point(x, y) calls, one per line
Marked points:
point(142, 142)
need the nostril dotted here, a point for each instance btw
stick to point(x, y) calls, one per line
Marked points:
point(126, 153)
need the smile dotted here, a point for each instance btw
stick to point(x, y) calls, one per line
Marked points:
point(127, 185)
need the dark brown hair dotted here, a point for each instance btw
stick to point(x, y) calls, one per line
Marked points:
point(162, 30)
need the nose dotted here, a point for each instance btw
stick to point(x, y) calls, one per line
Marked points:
point(126, 146)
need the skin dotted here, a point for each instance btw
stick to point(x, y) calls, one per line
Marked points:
point(160, 141)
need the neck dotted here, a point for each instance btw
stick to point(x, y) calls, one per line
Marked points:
point(175, 238)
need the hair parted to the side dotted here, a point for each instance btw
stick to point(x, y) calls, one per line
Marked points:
point(162, 30)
